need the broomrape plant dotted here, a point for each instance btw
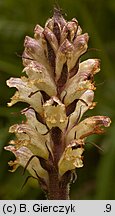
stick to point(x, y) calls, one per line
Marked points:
point(59, 89)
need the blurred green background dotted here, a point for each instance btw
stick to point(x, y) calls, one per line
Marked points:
point(96, 180)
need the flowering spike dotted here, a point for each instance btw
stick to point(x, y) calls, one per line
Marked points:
point(59, 89)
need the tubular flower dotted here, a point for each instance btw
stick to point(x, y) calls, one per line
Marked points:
point(58, 89)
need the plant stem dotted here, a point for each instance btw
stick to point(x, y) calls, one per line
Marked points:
point(58, 186)
point(58, 189)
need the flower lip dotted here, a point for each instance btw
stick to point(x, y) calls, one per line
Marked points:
point(38, 31)
point(54, 113)
point(66, 47)
point(81, 40)
point(105, 121)
point(87, 127)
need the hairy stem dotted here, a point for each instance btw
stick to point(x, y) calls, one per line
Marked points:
point(58, 189)
point(58, 186)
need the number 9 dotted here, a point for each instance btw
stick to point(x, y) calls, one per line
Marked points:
point(108, 207)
